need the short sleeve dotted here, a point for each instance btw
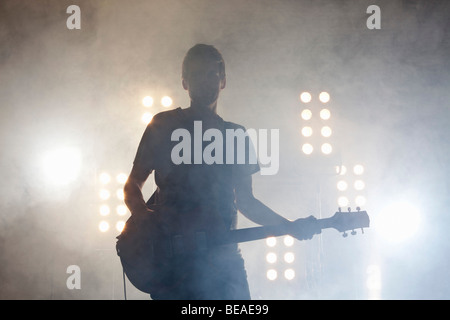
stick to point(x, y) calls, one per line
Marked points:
point(245, 160)
point(146, 155)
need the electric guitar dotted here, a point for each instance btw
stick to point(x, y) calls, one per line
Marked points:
point(148, 248)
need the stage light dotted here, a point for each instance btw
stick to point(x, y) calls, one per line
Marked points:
point(360, 201)
point(324, 97)
point(325, 114)
point(104, 194)
point(326, 131)
point(271, 274)
point(62, 166)
point(343, 201)
point(326, 148)
point(358, 169)
point(166, 101)
point(104, 178)
point(121, 210)
point(341, 170)
point(120, 225)
point(147, 117)
point(271, 257)
point(289, 274)
point(289, 257)
point(120, 195)
point(306, 114)
point(398, 221)
point(104, 210)
point(271, 241)
point(147, 101)
point(121, 178)
point(359, 185)
point(307, 131)
point(305, 97)
point(103, 226)
point(288, 241)
point(373, 282)
point(307, 148)
point(342, 185)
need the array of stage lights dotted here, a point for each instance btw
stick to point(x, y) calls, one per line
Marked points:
point(280, 257)
point(112, 209)
point(149, 102)
point(351, 186)
point(316, 129)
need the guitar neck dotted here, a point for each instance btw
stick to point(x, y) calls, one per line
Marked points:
point(257, 233)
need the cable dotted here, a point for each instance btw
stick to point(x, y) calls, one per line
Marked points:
point(124, 285)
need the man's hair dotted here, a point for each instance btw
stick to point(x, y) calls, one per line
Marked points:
point(202, 52)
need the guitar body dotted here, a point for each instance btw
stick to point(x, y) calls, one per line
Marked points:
point(153, 249)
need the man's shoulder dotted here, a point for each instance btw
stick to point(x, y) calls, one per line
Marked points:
point(167, 115)
point(233, 125)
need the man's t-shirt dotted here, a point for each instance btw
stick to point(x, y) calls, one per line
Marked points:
point(187, 186)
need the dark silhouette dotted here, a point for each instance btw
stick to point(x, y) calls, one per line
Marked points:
point(193, 197)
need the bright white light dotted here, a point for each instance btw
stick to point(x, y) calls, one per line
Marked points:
point(271, 274)
point(324, 97)
point(306, 114)
point(271, 257)
point(103, 226)
point(271, 241)
point(307, 131)
point(120, 225)
point(359, 185)
point(121, 178)
point(326, 148)
point(166, 101)
point(120, 194)
point(343, 201)
point(342, 185)
point(360, 201)
point(62, 166)
point(104, 178)
point(326, 131)
point(147, 117)
point(305, 97)
point(307, 148)
point(121, 210)
point(289, 257)
point(289, 274)
point(397, 222)
point(341, 170)
point(147, 101)
point(325, 114)
point(373, 282)
point(288, 241)
point(358, 169)
point(104, 210)
point(104, 194)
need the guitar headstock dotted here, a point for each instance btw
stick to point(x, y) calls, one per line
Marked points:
point(350, 220)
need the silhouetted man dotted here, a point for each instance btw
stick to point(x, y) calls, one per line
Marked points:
point(198, 196)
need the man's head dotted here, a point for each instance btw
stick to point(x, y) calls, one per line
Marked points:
point(203, 74)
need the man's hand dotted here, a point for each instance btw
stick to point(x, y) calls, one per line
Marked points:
point(305, 228)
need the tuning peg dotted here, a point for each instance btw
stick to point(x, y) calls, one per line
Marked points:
point(339, 209)
point(362, 230)
point(358, 209)
point(345, 234)
point(353, 232)
point(349, 209)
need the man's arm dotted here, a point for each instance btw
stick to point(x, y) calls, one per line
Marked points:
point(251, 207)
point(134, 198)
point(256, 211)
